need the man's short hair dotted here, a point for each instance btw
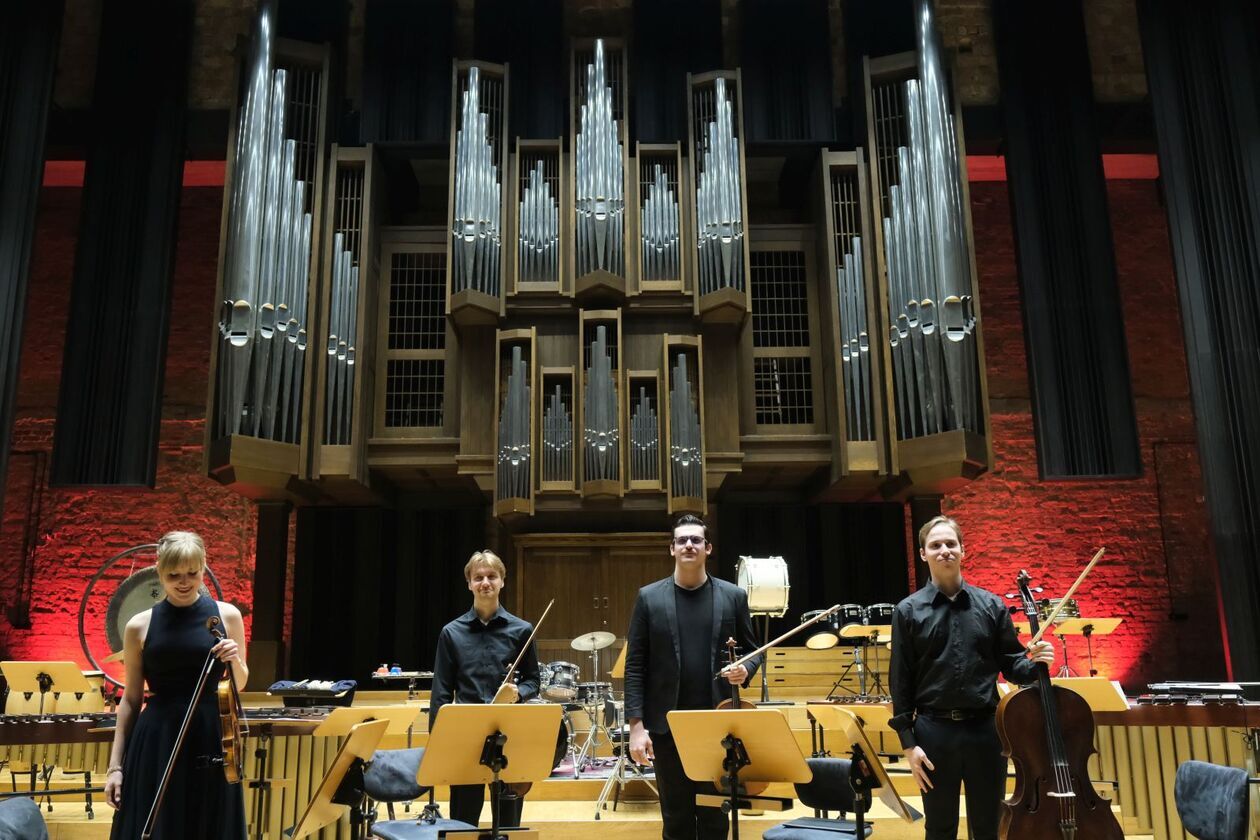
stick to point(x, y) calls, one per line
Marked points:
point(691, 519)
point(485, 557)
point(180, 550)
point(939, 520)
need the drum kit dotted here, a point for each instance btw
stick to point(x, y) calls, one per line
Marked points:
point(864, 629)
point(561, 682)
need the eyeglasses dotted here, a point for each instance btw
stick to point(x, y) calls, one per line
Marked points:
point(694, 540)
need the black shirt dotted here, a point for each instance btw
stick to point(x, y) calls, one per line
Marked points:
point(946, 654)
point(695, 645)
point(472, 659)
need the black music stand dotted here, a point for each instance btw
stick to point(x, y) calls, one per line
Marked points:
point(730, 747)
point(490, 745)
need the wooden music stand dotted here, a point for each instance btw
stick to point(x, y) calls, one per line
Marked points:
point(341, 719)
point(342, 786)
point(732, 746)
point(44, 677)
point(866, 773)
point(618, 671)
point(1087, 627)
point(472, 744)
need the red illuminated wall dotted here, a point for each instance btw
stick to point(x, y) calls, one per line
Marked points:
point(1159, 563)
point(71, 532)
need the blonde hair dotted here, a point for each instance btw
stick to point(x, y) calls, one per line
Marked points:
point(939, 520)
point(178, 550)
point(485, 557)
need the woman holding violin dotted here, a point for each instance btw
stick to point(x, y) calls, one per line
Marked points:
point(168, 647)
point(949, 642)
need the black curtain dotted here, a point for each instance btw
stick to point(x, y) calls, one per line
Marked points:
point(529, 38)
point(110, 409)
point(670, 40)
point(407, 52)
point(1082, 403)
point(28, 62)
point(785, 56)
point(373, 585)
point(1203, 64)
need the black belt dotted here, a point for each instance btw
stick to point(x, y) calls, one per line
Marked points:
point(955, 714)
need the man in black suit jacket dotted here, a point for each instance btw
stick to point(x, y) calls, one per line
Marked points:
point(677, 636)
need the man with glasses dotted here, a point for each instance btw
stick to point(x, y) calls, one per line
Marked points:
point(676, 640)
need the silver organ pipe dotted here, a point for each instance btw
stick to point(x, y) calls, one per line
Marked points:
point(658, 226)
point(514, 435)
point(557, 435)
point(719, 193)
point(343, 318)
point(932, 329)
point(599, 176)
point(475, 229)
point(686, 474)
point(539, 245)
point(266, 263)
point(645, 453)
point(601, 444)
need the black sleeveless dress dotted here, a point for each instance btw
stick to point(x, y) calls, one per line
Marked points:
point(199, 802)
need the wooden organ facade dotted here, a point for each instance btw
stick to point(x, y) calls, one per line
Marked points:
point(598, 322)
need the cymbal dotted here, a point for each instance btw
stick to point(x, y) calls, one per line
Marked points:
point(114, 657)
point(594, 640)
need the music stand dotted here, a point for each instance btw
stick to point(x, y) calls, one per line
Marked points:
point(732, 746)
point(342, 785)
point(343, 718)
point(866, 773)
point(472, 744)
point(1087, 627)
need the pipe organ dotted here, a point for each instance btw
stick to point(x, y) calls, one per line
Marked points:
point(645, 346)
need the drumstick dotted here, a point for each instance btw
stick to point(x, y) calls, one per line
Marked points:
point(1063, 601)
point(798, 628)
point(498, 694)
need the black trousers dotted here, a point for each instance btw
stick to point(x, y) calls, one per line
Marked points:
point(682, 819)
point(966, 752)
point(466, 802)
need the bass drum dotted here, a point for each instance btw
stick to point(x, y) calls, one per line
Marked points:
point(765, 579)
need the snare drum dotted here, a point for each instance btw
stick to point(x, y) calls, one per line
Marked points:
point(879, 614)
point(765, 579)
point(562, 681)
point(593, 693)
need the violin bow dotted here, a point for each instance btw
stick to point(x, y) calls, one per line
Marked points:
point(1063, 601)
point(510, 671)
point(798, 628)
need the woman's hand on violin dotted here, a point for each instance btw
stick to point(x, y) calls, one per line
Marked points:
point(113, 789)
point(226, 650)
point(641, 744)
point(737, 675)
point(1042, 652)
point(920, 764)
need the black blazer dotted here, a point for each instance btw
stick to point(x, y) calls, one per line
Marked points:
point(652, 654)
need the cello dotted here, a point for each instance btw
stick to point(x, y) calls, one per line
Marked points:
point(1048, 732)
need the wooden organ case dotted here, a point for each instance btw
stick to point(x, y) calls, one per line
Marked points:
point(595, 325)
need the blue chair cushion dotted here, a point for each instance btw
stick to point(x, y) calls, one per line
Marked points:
point(810, 828)
point(1212, 800)
point(20, 819)
point(391, 775)
point(416, 830)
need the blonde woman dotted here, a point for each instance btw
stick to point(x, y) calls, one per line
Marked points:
point(166, 647)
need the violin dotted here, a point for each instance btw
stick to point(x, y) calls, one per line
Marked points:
point(232, 728)
point(1048, 732)
point(734, 702)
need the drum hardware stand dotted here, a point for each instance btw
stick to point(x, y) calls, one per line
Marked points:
point(621, 769)
point(1066, 670)
point(861, 671)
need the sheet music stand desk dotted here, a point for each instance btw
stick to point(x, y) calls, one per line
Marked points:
point(343, 783)
point(43, 677)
